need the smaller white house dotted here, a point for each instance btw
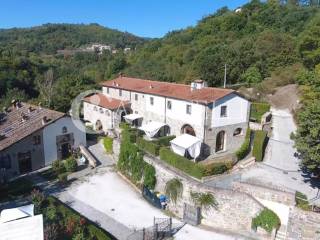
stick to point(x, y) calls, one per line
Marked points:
point(32, 137)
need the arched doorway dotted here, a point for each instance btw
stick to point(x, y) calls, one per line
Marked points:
point(98, 125)
point(187, 129)
point(220, 141)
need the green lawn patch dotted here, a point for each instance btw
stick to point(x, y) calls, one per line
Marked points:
point(257, 110)
point(108, 144)
point(267, 220)
point(259, 144)
point(302, 201)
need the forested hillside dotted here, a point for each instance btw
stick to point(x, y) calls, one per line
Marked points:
point(253, 43)
point(49, 38)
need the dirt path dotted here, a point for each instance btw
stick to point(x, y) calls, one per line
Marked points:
point(286, 97)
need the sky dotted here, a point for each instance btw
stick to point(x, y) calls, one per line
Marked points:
point(146, 18)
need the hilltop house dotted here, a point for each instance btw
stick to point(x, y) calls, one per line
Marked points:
point(218, 117)
point(32, 137)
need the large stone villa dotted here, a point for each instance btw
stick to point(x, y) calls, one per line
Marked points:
point(32, 137)
point(216, 116)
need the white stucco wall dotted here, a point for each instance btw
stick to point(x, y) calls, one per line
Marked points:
point(237, 111)
point(93, 113)
point(114, 93)
point(53, 130)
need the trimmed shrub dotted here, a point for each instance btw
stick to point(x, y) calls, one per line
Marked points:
point(181, 163)
point(58, 167)
point(148, 146)
point(267, 220)
point(108, 144)
point(174, 189)
point(164, 141)
point(149, 176)
point(71, 165)
point(215, 169)
point(259, 144)
point(63, 178)
point(244, 150)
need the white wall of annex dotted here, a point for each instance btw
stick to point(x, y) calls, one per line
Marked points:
point(237, 111)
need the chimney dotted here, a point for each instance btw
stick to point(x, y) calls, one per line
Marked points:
point(13, 103)
point(30, 109)
point(24, 117)
point(198, 84)
point(44, 120)
point(18, 104)
point(39, 105)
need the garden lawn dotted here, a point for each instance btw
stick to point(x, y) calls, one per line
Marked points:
point(258, 109)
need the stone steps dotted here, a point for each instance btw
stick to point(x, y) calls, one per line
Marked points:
point(282, 233)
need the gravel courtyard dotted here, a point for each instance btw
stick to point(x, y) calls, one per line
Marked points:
point(106, 193)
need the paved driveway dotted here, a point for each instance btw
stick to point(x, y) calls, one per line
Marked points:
point(280, 167)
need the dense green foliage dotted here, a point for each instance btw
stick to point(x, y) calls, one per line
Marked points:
point(266, 219)
point(71, 164)
point(131, 162)
point(181, 163)
point(244, 150)
point(164, 141)
point(19, 187)
point(254, 43)
point(108, 143)
point(62, 222)
point(258, 109)
point(174, 189)
point(259, 144)
point(148, 146)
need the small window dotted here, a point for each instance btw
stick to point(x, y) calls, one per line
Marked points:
point(120, 92)
point(188, 109)
point(36, 140)
point(151, 101)
point(108, 90)
point(101, 110)
point(169, 105)
point(223, 112)
point(237, 132)
point(64, 130)
point(95, 108)
point(136, 97)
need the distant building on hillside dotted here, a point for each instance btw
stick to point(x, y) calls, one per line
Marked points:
point(99, 48)
point(32, 137)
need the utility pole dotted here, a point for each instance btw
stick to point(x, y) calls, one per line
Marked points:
point(225, 76)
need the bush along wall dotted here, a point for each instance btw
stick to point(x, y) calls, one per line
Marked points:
point(259, 144)
point(244, 150)
point(181, 163)
point(151, 147)
point(267, 220)
point(108, 143)
point(132, 165)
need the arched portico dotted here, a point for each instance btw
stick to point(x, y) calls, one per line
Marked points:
point(188, 129)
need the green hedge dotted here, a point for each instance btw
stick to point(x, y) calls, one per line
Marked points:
point(148, 146)
point(108, 143)
point(266, 219)
point(216, 168)
point(164, 141)
point(258, 109)
point(244, 150)
point(149, 178)
point(181, 163)
point(259, 144)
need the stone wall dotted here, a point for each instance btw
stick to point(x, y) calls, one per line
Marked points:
point(260, 192)
point(235, 210)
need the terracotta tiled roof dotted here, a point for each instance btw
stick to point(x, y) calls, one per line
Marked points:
point(106, 102)
point(13, 128)
point(179, 91)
